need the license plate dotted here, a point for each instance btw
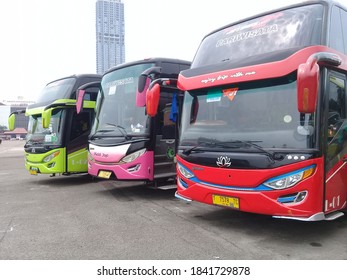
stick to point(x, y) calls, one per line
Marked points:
point(105, 174)
point(33, 170)
point(228, 201)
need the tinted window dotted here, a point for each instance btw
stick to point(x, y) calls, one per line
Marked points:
point(117, 112)
point(91, 93)
point(297, 27)
point(337, 122)
point(51, 135)
point(264, 112)
point(57, 90)
point(336, 38)
point(344, 26)
point(80, 124)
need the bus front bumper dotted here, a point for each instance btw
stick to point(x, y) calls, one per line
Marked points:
point(268, 202)
point(36, 163)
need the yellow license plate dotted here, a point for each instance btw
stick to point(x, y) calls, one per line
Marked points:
point(105, 174)
point(228, 201)
point(33, 170)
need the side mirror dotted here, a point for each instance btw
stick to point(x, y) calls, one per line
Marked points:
point(79, 103)
point(142, 87)
point(307, 87)
point(152, 100)
point(11, 121)
point(143, 84)
point(308, 79)
point(12, 118)
point(81, 92)
point(46, 118)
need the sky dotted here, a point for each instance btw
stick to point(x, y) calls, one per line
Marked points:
point(46, 40)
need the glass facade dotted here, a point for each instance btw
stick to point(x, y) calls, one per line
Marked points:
point(110, 45)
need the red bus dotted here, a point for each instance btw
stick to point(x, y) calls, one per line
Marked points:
point(264, 118)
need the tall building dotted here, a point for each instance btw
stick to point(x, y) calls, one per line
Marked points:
point(110, 47)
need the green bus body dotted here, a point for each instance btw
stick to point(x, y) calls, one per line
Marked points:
point(76, 162)
point(59, 160)
point(57, 138)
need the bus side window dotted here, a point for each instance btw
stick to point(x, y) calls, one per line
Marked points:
point(337, 124)
point(336, 40)
point(91, 94)
point(80, 124)
point(344, 27)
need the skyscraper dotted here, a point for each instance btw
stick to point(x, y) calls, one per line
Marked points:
point(110, 47)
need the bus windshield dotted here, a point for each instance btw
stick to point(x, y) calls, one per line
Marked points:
point(262, 112)
point(117, 113)
point(292, 28)
point(51, 135)
point(57, 90)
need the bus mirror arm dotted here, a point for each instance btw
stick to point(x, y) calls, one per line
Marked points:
point(144, 75)
point(80, 93)
point(47, 112)
point(308, 80)
point(325, 58)
point(153, 94)
point(143, 85)
point(144, 82)
point(168, 83)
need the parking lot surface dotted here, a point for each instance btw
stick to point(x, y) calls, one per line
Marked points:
point(76, 217)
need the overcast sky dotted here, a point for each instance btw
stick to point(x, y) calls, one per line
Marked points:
point(43, 40)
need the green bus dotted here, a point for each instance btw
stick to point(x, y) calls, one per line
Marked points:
point(57, 138)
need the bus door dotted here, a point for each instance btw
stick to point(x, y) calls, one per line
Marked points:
point(78, 133)
point(336, 151)
point(165, 151)
point(77, 141)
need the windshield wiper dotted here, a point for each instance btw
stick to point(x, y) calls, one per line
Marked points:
point(252, 144)
point(122, 130)
point(201, 142)
point(224, 144)
point(99, 131)
point(32, 142)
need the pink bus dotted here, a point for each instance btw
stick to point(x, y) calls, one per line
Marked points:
point(125, 143)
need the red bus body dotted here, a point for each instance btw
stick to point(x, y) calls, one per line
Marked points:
point(233, 176)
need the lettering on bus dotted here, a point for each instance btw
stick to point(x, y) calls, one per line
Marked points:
point(112, 86)
point(262, 22)
point(120, 82)
point(224, 77)
point(247, 35)
point(79, 162)
point(101, 155)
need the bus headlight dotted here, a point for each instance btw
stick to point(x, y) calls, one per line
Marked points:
point(131, 157)
point(290, 179)
point(51, 156)
point(185, 172)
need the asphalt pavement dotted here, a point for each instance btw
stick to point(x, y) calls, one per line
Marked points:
point(80, 218)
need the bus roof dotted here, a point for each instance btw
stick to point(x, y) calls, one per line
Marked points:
point(45, 98)
point(299, 4)
point(77, 76)
point(149, 60)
